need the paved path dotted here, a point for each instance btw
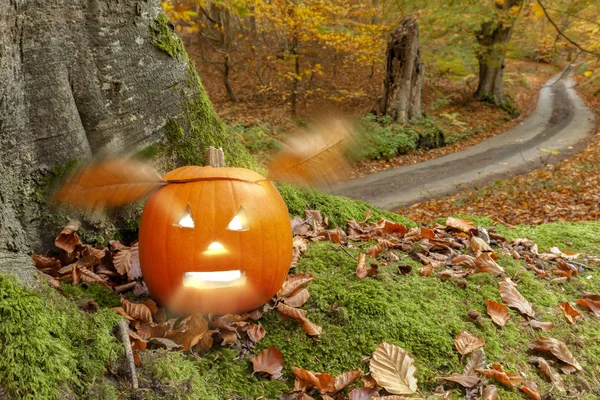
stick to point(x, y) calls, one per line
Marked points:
point(561, 123)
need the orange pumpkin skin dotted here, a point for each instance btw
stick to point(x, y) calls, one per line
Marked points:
point(214, 195)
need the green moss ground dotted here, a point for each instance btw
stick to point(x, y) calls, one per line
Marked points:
point(420, 314)
point(48, 347)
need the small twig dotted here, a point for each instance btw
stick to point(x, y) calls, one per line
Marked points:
point(124, 331)
point(347, 252)
point(578, 264)
point(305, 222)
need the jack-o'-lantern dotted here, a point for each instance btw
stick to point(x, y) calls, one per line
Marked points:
point(215, 240)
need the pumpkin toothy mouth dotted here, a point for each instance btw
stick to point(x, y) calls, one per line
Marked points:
point(216, 279)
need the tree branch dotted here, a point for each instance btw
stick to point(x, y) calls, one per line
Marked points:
point(562, 34)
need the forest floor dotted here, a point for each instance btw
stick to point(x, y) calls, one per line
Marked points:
point(567, 191)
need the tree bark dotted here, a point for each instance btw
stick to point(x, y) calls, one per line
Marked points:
point(80, 78)
point(404, 73)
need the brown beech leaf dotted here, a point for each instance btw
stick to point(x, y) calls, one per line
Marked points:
point(135, 272)
point(43, 262)
point(299, 315)
point(551, 373)
point(228, 337)
point(464, 260)
point(393, 257)
point(544, 326)
point(485, 263)
point(497, 373)
point(498, 312)
point(137, 311)
point(165, 343)
point(393, 369)
point(324, 382)
point(427, 270)
point(593, 305)
point(67, 239)
point(467, 381)
point(395, 397)
point(298, 298)
point(466, 342)
point(361, 267)
point(293, 282)
point(269, 360)
point(490, 393)
point(109, 183)
point(513, 298)
point(123, 261)
point(477, 361)
point(315, 156)
point(256, 332)
point(347, 378)
point(557, 348)
point(531, 389)
point(363, 393)
point(571, 314)
point(461, 224)
point(368, 381)
point(480, 246)
point(375, 250)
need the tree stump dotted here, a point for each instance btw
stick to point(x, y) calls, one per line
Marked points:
point(404, 73)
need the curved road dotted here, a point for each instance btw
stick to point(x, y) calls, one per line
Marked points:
point(560, 125)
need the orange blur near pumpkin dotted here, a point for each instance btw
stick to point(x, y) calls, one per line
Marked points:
point(215, 240)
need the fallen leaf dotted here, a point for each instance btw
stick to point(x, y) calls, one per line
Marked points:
point(531, 389)
point(165, 343)
point(551, 373)
point(347, 378)
point(544, 326)
point(299, 315)
point(464, 260)
point(135, 272)
point(123, 261)
point(67, 239)
point(490, 393)
point(479, 246)
point(571, 314)
point(256, 332)
point(137, 311)
point(393, 369)
point(593, 305)
point(361, 267)
point(293, 282)
point(461, 224)
point(466, 342)
point(484, 263)
point(467, 381)
point(513, 298)
point(270, 360)
point(501, 376)
point(557, 348)
point(43, 262)
point(324, 382)
point(477, 361)
point(363, 393)
point(427, 270)
point(298, 298)
point(498, 312)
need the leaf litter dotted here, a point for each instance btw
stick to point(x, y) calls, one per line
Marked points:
point(441, 249)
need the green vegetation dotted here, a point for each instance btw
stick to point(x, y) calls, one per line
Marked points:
point(163, 37)
point(48, 347)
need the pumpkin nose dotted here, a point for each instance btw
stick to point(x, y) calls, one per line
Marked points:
point(215, 248)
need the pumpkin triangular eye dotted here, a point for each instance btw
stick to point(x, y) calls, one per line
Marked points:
point(185, 220)
point(239, 221)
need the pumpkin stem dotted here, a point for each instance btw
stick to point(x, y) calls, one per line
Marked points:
point(214, 157)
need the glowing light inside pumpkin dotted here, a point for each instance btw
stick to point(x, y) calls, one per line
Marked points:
point(214, 279)
point(185, 219)
point(239, 221)
point(215, 248)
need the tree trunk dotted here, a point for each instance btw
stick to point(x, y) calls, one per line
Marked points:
point(404, 72)
point(81, 78)
point(493, 39)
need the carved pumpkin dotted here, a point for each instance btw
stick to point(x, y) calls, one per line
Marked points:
point(215, 240)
